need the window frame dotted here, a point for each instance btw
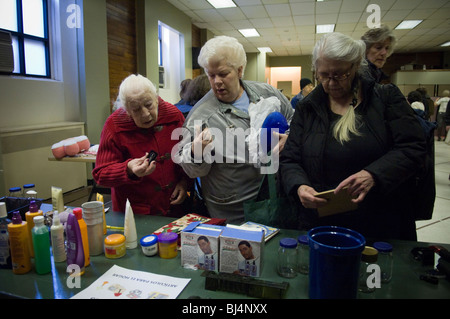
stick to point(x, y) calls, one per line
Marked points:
point(21, 37)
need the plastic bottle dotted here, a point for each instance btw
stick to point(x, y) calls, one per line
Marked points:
point(78, 212)
point(5, 252)
point(385, 260)
point(75, 251)
point(19, 243)
point(41, 244)
point(29, 216)
point(57, 236)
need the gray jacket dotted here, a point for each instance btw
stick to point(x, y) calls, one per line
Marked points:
point(228, 177)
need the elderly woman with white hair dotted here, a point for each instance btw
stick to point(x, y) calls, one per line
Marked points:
point(227, 178)
point(380, 43)
point(142, 123)
point(357, 136)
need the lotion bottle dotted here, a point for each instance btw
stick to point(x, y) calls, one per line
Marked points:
point(5, 251)
point(78, 212)
point(32, 212)
point(41, 244)
point(19, 242)
point(57, 236)
point(75, 251)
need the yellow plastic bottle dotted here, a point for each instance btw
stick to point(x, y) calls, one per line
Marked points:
point(19, 242)
point(78, 212)
point(33, 212)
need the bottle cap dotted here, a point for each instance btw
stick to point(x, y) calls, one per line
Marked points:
point(28, 186)
point(167, 237)
point(288, 243)
point(382, 246)
point(15, 189)
point(33, 207)
point(303, 239)
point(78, 212)
point(369, 255)
point(148, 240)
point(3, 212)
point(16, 219)
point(38, 219)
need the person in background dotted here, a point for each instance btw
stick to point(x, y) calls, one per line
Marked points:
point(441, 108)
point(428, 103)
point(353, 135)
point(415, 100)
point(196, 89)
point(380, 43)
point(183, 87)
point(228, 177)
point(306, 87)
point(143, 122)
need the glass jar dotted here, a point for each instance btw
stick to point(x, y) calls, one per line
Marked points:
point(369, 257)
point(385, 260)
point(29, 188)
point(303, 254)
point(287, 258)
point(15, 192)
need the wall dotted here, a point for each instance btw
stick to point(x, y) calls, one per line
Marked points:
point(435, 81)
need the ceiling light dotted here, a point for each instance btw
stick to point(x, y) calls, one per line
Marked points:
point(220, 4)
point(324, 28)
point(446, 44)
point(249, 33)
point(408, 24)
point(264, 49)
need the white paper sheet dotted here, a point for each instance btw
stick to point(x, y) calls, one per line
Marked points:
point(122, 283)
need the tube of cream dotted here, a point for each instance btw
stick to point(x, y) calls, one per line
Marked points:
point(100, 199)
point(130, 227)
point(57, 199)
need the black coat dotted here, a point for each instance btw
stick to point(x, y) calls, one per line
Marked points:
point(387, 210)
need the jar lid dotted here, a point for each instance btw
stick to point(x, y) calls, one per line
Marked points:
point(114, 239)
point(303, 239)
point(288, 243)
point(382, 246)
point(148, 240)
point(15, 189)
point(167, 237)
point(369, 254)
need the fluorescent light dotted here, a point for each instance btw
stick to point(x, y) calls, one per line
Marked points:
point(264, 49)
point(220, 4)
point(446, 44)
point(324, 28)
point(408, 24)
point(249, 33)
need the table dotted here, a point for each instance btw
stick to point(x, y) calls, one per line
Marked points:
point(84, 158)
point(405, 283)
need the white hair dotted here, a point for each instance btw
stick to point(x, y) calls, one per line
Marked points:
point(223, 48)
point(338, 46)
point(134, 85)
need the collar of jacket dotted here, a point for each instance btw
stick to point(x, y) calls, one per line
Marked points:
point(166, 114)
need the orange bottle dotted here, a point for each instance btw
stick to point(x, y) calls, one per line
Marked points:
point(78, 212)
point(33, 212)
point(18, 238)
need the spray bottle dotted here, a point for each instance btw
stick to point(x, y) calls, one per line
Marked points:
point(78, 212)
point(75, 251)
point(18, 238)
point(57, 235)
point(41, 246)
point(5, 252)
point(33, 212)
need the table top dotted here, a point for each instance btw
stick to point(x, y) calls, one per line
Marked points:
point(80, 158)
point(405, 283)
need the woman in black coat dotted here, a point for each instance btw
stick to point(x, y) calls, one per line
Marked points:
point(353, 133)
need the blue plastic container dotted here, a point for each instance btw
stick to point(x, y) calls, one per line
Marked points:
point(273, 121)
point(335, 254)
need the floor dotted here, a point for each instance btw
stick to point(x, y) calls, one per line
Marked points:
point(436, 230)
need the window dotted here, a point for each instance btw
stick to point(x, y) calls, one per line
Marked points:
point(26, 20)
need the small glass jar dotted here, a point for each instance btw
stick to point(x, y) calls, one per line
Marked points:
point(385, 260)
point(369, 256)
point(149, 245)
point(115, 246)
point(28, 188)
point(15, 192)
point(168, 245)
point(303, 254)
point(287, 258)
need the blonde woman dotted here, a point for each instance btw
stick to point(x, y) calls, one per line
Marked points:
point(353, 135)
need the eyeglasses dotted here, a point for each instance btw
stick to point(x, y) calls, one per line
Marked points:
point(324, 77)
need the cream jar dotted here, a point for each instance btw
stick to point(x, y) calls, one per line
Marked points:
point(115, 246)
point(149, 245)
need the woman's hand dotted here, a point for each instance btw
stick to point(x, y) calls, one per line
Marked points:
point(358, 184)
point(179, 194)
point(140, 166)
point(282, 138)
point(201, 139)
point(306, 195)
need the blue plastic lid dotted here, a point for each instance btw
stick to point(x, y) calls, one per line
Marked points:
point(382, 246)
point(288, 243)
point(28, 186)
point(303, 239)
point(148, 240)
point(15, 189)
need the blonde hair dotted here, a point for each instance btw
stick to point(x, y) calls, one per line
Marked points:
point(345, 125)
point(379, 35)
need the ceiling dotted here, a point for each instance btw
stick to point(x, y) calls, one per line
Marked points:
point(288, 26)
